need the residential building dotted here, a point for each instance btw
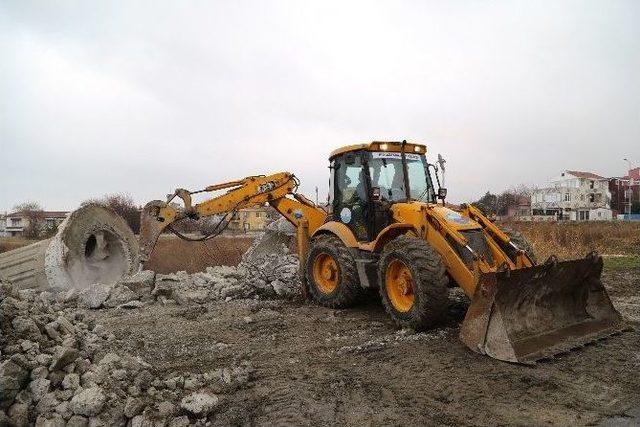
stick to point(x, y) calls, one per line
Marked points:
point(574, 196)
point(18, 221)
point(625, 191)
point(520, 209)
point(250, 219)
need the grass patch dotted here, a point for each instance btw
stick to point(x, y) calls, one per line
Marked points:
point(621, 262)
point(11, 243)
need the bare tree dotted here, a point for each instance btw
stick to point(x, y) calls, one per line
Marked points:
point(488, 203)
point(34, 215)
point(123, 205)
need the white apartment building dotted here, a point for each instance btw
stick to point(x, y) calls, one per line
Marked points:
point(574, 196)
point(16, 222)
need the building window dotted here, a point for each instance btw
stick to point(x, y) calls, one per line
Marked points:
point(567, 197)
point(582, 197)
point(592, 198)
point(15, 222)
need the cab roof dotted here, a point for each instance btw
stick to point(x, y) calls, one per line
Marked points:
point(393, 146)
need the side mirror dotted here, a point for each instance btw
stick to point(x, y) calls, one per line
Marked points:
point(442, 193)
point(375, 194)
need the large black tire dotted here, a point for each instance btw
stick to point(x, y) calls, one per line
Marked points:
point(429, 282)
point(518, 239)
point(347, 289)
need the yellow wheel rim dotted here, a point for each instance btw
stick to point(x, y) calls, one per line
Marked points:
point(325, 272)
point(400, 285)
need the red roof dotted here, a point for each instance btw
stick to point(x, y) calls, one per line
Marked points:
point(588, 175)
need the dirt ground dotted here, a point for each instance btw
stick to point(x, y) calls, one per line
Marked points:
point(316, 366)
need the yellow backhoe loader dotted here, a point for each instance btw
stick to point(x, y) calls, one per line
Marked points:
point(384, 228)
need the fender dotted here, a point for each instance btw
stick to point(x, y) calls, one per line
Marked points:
point(345, 234)
point(340, 230)
point(386, 235)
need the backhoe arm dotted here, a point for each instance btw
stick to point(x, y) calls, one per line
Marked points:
point(251, 191)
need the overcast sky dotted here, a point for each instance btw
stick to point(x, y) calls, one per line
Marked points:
point(142, 97)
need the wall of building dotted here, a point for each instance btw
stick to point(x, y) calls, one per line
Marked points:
point(573, 198)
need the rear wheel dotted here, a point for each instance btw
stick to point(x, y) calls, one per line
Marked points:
point(518, 239)
point(332, 277)
point(413, 283)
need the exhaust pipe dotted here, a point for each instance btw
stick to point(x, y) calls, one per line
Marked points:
point(92, 245)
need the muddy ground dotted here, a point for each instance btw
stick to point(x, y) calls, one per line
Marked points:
point(316, 366)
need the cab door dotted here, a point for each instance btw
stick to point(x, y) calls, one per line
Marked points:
point(351, 201)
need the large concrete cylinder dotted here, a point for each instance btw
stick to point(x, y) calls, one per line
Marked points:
point(93, 245)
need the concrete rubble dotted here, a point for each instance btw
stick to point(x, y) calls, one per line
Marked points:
point(56, 369)
point(55, 363)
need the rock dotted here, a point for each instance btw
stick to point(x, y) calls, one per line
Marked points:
point(47, 403)
point(164, 287)
point(143, 379)
point(120, 295)
point(182, 421)
point(119, 374)
point(19, 414)
point(133, 407)
point(56, 378)
point(29, 346)
point(167, 408)
point(110, 359)
point(141, 283)
point(12, 379)
point(88, 402)
point(50, 420)
point(64, 409)
point(50, 329)
point(142, 421)
point(44, 359)
point(26, 328)
point(66, 326)
point(200, 403)
point(94, 296)
point(186, 296)
point(39, 387)
point(24, 396)
point(69, 296)
point(193, 383)
point(63, 356)
point(39, 372)
point(132, 304)
point(174, 383)
point(71, 381)
point(77, 421)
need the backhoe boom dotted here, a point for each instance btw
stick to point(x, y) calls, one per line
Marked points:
point(245, 193)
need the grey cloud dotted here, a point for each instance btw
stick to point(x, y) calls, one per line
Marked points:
point(142, 97)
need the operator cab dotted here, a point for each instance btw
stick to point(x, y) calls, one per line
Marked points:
point(366, 179)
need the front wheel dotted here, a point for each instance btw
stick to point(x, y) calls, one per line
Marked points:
point(413, 283)
point(332, 275)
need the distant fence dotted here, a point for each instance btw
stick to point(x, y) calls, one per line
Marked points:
point(629, 217)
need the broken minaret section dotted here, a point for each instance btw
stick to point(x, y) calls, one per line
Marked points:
point(93, 245)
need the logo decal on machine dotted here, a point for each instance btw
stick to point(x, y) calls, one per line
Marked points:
point(457, 218)
point(345, 215)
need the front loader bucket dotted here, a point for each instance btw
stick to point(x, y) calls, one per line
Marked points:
point(531, 313)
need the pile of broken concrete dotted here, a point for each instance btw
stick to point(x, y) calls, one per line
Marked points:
point(270, 277)
point(55, 370)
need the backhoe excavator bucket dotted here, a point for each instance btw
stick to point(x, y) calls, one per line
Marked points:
point(528, 314)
